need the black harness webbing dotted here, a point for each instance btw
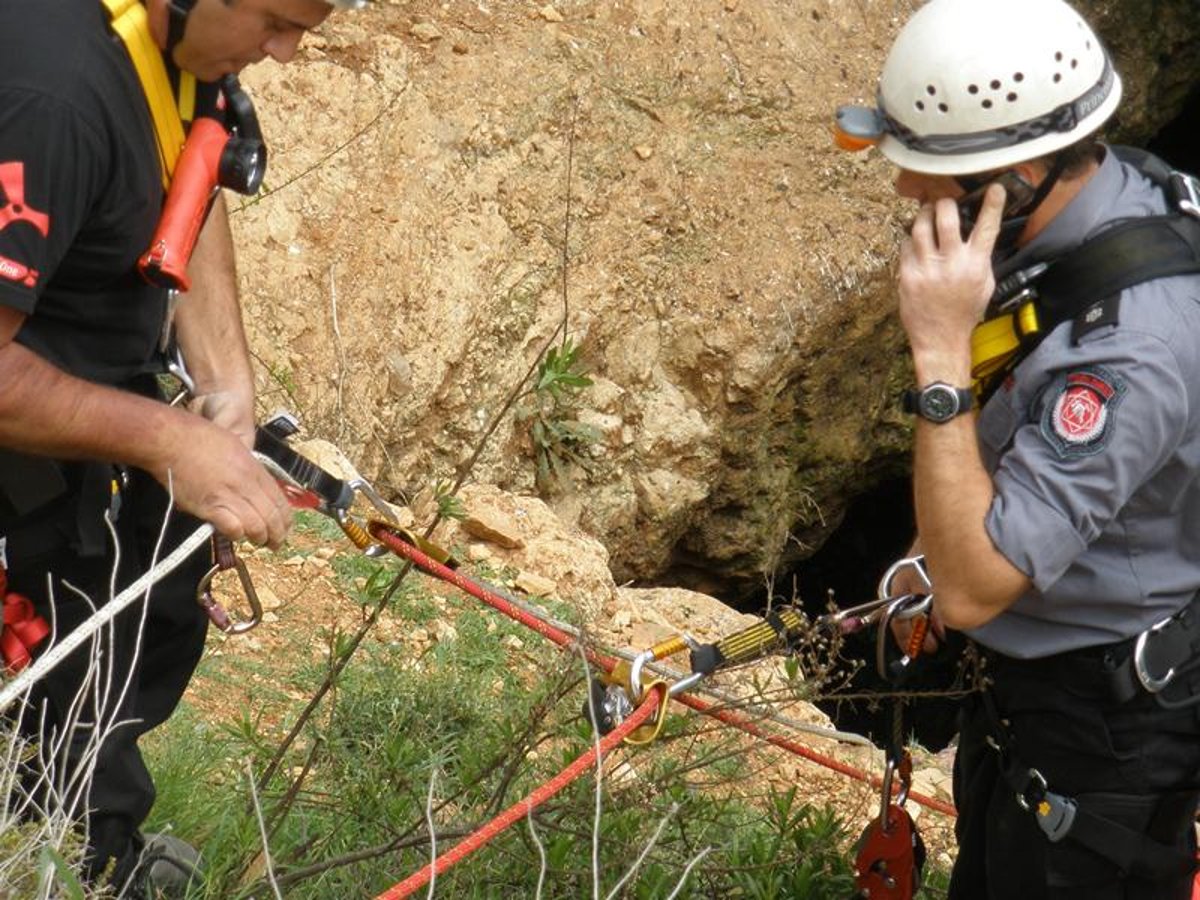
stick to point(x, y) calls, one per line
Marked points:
point(1060, 817)
point(1129, 253)
point(1085, 284)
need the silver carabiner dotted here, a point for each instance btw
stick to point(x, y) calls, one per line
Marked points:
point(1149, 682)
point(916, 563)
point(216, 612)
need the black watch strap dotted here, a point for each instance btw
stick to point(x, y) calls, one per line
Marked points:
point(937, 402)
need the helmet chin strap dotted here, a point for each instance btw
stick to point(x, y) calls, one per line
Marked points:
point(1014, 222)
point(178, 11)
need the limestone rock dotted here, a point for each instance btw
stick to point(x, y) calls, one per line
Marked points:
point(678, 610)
point(490, 524)
point(425, 31)
point(535, 585)
point(554, 558)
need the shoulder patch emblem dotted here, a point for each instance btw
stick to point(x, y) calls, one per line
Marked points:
point(15, 209)
point(1076, 422)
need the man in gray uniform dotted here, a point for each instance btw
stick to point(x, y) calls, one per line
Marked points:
point(1061, 523)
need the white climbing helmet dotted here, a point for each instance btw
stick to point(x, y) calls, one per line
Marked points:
point(976, 85)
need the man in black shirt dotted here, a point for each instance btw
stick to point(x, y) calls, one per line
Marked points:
point(82, 191)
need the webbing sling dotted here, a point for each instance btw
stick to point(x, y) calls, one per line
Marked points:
point(131, 24)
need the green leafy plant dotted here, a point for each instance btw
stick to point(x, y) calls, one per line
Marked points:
point(560, 439)
point(449, 505)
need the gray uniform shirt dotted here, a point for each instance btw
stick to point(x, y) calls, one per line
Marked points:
point(1094, 451)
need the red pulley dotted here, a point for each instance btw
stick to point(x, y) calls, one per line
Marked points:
point(889, 858)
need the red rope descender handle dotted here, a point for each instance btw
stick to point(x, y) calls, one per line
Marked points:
point(522, 808)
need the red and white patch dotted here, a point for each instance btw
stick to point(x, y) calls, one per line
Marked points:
point(11, 270)
point(1081, 410)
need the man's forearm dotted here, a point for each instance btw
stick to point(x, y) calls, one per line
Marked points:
point(209, 319)
point(45, 411)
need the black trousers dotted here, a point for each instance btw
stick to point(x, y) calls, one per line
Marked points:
point(1134, 763)
point(65, 543)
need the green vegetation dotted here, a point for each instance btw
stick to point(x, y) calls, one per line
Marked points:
point(560, 440)
point(454, 718)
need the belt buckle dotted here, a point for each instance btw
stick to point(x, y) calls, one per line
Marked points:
point(1149, 682)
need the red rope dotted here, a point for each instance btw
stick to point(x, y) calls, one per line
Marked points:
point(522, 808)
point(730, 717)
point(402, 548)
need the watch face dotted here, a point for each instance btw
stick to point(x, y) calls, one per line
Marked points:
point(939, 403)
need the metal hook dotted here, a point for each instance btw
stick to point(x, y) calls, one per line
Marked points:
point(216, 612)
point(916, 563)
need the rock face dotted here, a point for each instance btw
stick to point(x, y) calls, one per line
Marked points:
point(724, 271)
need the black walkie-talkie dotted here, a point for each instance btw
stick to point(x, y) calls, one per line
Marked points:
point(1017, 194)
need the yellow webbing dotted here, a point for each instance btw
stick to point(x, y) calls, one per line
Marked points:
point(759, 639)
point(129, 21)
point(995, 342)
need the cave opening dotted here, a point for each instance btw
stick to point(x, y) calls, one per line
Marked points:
point(1178, 142)
point(876, 530)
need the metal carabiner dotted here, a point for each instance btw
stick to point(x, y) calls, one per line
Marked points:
point(885, 794)
point(916, 563)
point(853, 619)
point(660, 651)
point(1152, 684)
point(354, 529)
point(216, 612)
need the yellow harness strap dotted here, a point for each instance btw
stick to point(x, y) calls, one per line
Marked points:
point(995, 342)
point(129, 20)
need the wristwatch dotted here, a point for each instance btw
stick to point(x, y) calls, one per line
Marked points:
point(938, 402)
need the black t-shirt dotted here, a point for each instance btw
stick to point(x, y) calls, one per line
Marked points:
point(82, 190)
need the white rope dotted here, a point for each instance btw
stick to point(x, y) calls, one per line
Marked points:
point(105, 614)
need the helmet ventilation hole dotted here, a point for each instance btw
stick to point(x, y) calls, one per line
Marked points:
point(921, 105)
point(987, 104)
point(972, 89)
point(1019, 77)
point(930, 90)
point(995, 85)
point(1057, 77)
point(942, 107)
point(1012, 97)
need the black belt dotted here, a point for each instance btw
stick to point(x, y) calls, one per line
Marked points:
point(1158, 656)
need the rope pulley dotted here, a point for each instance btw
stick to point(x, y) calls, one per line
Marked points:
point(615, 694)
